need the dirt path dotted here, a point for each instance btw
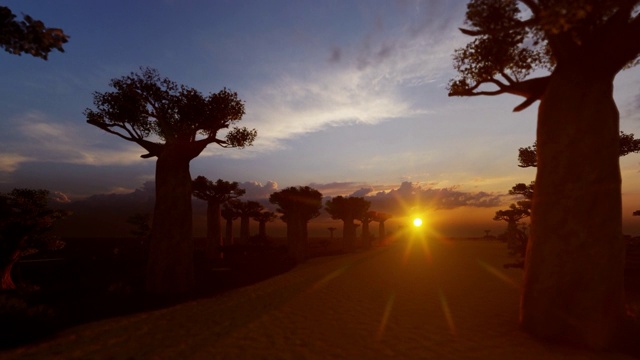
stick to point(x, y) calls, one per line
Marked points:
point(432, 299)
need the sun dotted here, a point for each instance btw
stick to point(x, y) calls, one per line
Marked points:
point(417, 222)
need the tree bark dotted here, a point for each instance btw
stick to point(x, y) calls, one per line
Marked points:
point(366, 238)
point(229, 232)
point(573, 286)
point(295, 237)
point(170, 269)
point(382, 234)
point(349, 234)
point(244, 229)
point(214, 229)
point(262, 229)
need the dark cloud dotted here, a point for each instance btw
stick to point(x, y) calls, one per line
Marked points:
point(362, 192)
point(410, 196)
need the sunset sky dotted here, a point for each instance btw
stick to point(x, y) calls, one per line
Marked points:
point(348, 97)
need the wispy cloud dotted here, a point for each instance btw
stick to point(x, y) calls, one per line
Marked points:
point(36, 137)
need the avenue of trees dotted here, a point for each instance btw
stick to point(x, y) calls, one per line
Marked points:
point(348, 209)
point(576, 209)
point(173, 123)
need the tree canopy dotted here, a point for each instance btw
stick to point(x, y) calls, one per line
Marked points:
point(25, 219)
point(514, 40)
point(28, 36)
point(145, 105)
point(219, 191)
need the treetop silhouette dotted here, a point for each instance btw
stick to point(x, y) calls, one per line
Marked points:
point(28, 36)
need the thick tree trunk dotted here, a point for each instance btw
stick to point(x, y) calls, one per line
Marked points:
point(229, 232)
point(349, 234)
point(262, 229)
point(170, 269)
point(366, 238)
point(244, 229)
point(573, 287)
point(214, 231)
point(382, 234)
point(296, 230)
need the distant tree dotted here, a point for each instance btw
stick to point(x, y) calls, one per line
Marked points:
point(331, 230)
point(347, 209)
point(365, 220)
point(263, 218)
point(28, 36)
point(229, 214)
point(528, 156)
point(215, 194)
point(381, 218)
point(25, 220)
point(141, 224)
point(174, 123)
point(636, 213)
point(577, 204)
point(297, 205)
point(246, 210)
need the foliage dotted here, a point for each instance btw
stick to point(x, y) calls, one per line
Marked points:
point(264, 216)
point(25, 220)
point(145, 105)
point(515, 39)
point(527, 156)
point(347, 208)
point(28, 36)
point(141, 224)
point(302, 200)
point(219, 192)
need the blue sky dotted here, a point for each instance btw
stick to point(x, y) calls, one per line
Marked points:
point(345, 95)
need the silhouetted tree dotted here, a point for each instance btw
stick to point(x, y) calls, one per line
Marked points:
point(297, 205)
point(144, 105)
point(141, 224)
point(347, 209)
point(215, 194)
point(25, 219)
point(229, 214)
point(28, 36)
point(263, 218)
point(365, 220)
point(331, 230)
point(528, 157)
point(380, 218)
point(577, 204)
point(246, 210)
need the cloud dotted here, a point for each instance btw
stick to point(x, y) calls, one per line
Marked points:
point(369, 83)
point(409, 195)
point(36, 137)
point(257, 190)
point(9, 162)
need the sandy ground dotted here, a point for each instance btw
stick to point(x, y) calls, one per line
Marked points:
point(414, 299)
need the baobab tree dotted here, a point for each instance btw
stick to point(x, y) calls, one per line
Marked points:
point(347, 209)
point(229, 214)
point(577, 212)
point(246, 210)
point(173, 123)
point(215, 194)
point(29, 36)
point(331, 230)
point(25, 220)
point(263, 218)
point(365, 220)
point(381, 218)
point(297, 205)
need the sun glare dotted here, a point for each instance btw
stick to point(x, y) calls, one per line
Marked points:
point(417, 222)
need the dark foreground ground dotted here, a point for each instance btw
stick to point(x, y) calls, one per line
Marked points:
point(415, 298)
